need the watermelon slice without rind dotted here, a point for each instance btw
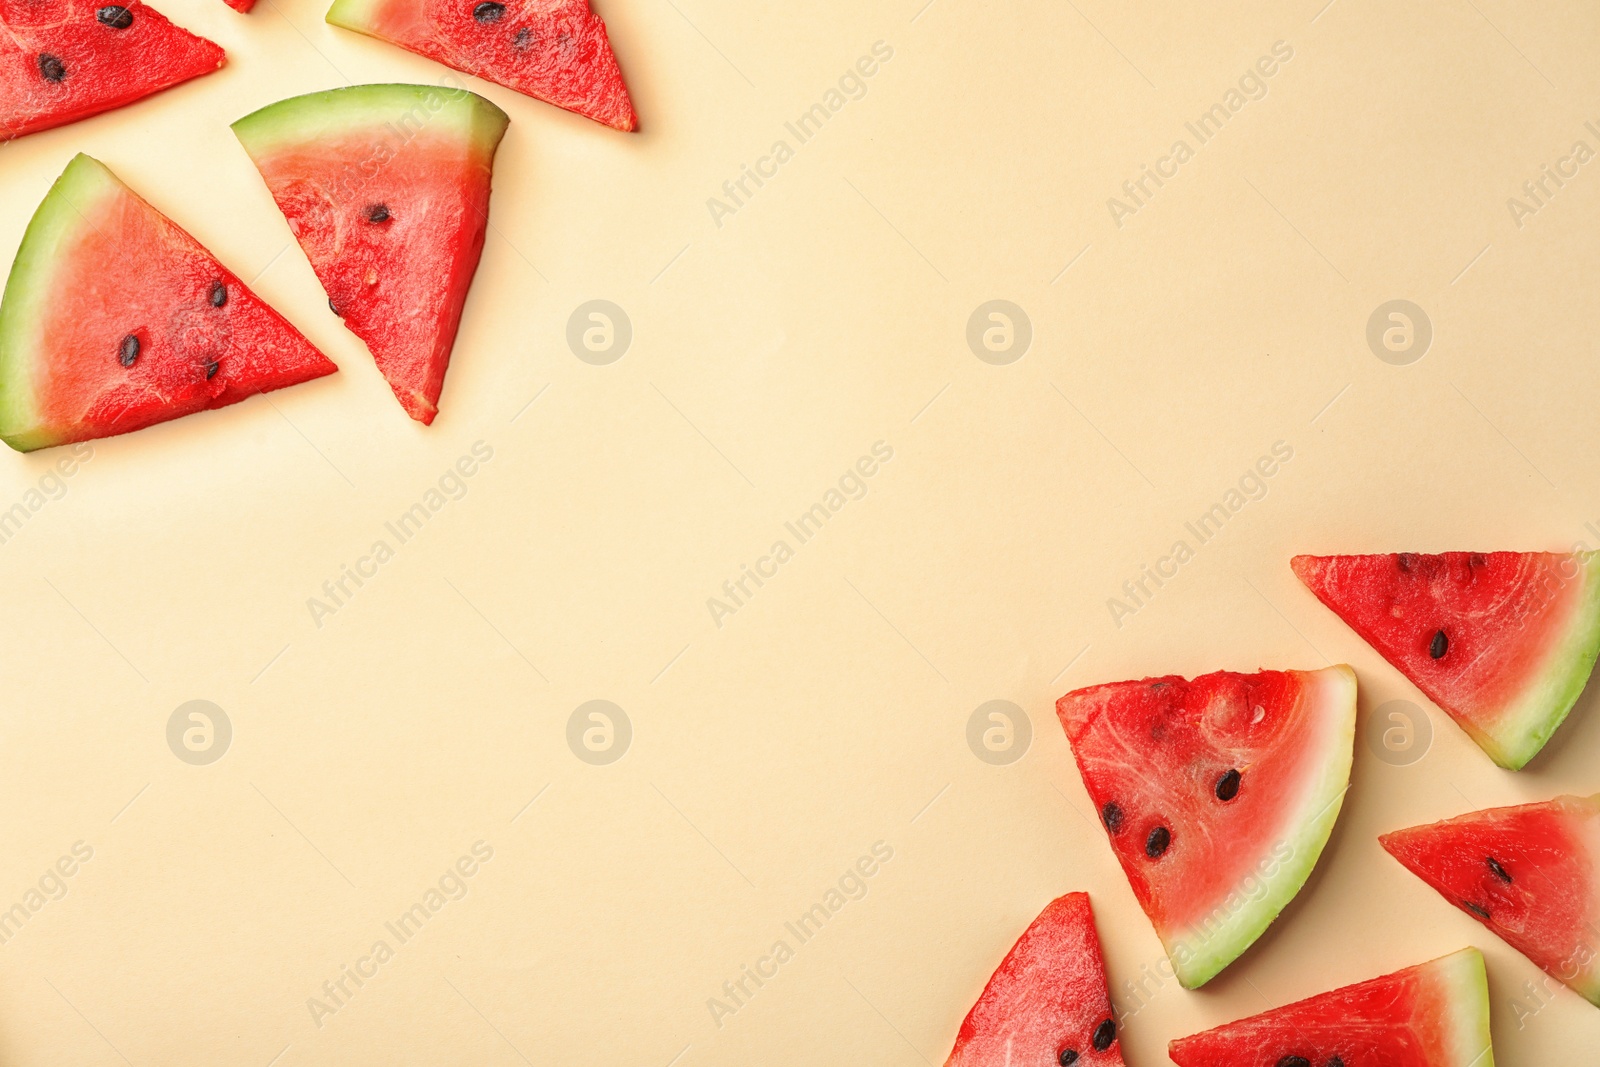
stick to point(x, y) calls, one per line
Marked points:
point(1047, 1002)
point(64, 60)
point(386, 187)
point(552, 50)
point(1218, 795)
point(1502, 641)
point(1527, 873)
point(115, 319)
point(1435, 1015)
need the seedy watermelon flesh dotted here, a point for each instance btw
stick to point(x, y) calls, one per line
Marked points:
point(64, 60)
point(1218, 795)
point(1502, 641)
point(1047, 1002)
point(553, 50)
point(386, 187)
point(1527, 873)
point(115, 319)
point(1435, 1015)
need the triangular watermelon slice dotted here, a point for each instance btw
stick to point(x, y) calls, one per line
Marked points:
point(1218, 795)
point(64, 60)
point(552, 50)
point(115, 319)
point(1047, 1003)
point(1435, 1015)
point(1503, 641)
point(1528, 873)
point(386, 187)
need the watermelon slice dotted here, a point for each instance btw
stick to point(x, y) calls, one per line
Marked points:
point(1218, 796)
point(1435, 1015)
point(1503, 641)
point(64, 60)
point(386, 187)
point(553, 50)
point(240, 5)
point(115, 319)
point(1047, 1003)
point(1527, 873)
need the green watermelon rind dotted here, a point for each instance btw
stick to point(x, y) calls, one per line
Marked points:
point(1468, 978)
point(1526, 727)
point(1243, 925)
point(59, 219)
point(352, 14)
point(397, 109)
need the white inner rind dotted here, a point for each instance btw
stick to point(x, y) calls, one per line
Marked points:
point(1464, 988)
point(1199, 955)
point(1530, 721)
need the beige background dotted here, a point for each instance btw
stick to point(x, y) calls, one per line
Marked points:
point(828, 713)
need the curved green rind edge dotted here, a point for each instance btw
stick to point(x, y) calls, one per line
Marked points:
point(352, 14)
point(1241, 926)
point(60, 217)
point(405, 110)
point(1468, 980)
point(1527, 727)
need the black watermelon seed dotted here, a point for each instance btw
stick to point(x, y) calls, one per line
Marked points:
point(115, 16)
point(489, 12)
point(1068, 1057)
point(1404, 561)
point(1337, 1061)
point(211, 370)
point(1480, 912)
point(1228, 786)
point(51, 67)
point(1499, 871)
point(1156, 845)
point(1441, 645)
point(523, 39)
point(128, 351)
point(332, 308)
point(219, 294)
point(1104, 1034)
point(1294, 1061)
point(1111, 814)
point(377, 213)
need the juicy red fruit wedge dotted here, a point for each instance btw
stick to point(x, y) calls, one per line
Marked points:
point(1047, 1004)
point(554, 50)
point(64, 60)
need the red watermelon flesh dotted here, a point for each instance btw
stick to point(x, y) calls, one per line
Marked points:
point(115, 319)
point(1527, 873)
point(240, 5)
point(386, 187)
point(1435, 1015)
point(64, 60)
point(1502, 641)
point(553, 50)
point(1048, 999)
point(1218, 795)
